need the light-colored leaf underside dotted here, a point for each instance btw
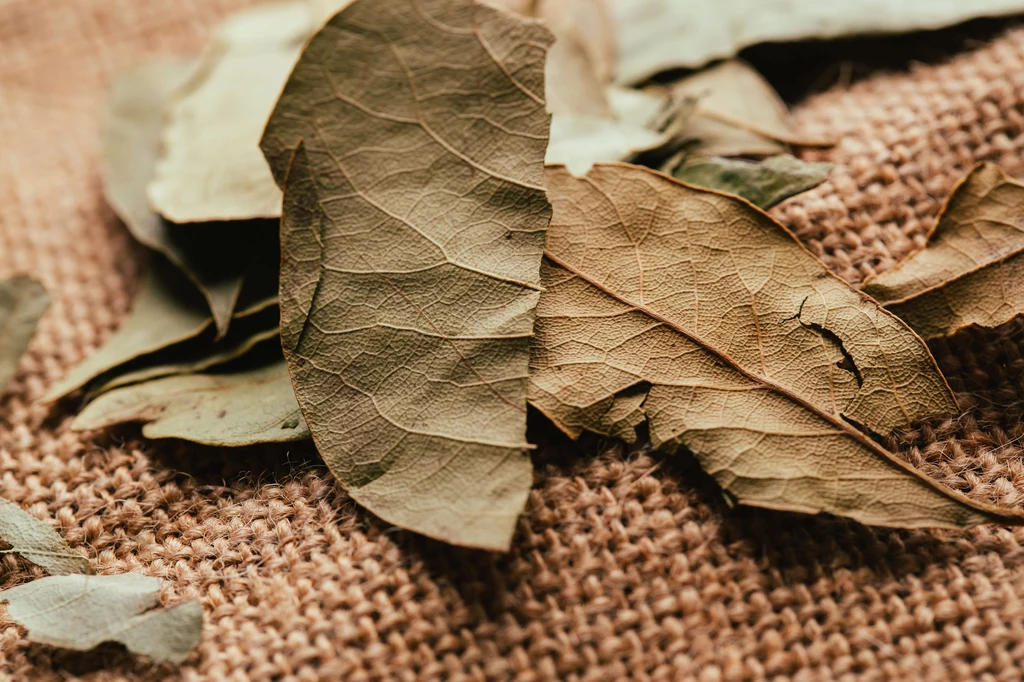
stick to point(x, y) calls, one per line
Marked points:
point(410, 144)
point(737, 113)
point(136, 109)
point(657, 35)
point(82, 611)
point(972, 270)
point(697, 312)
point(38, 542)
point(227, 410)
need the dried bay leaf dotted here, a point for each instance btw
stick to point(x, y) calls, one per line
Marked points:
point(214, 257)
point(81, 612)
point(23, 301)
point(738, 113)
point(698, 312)
point(38, 542)
point(413, 228)
point(972, 270)
point(762, 183)
point(188, 361)
point(228, 410)
point(657, 35)
point(211, 167)
point(166, 311)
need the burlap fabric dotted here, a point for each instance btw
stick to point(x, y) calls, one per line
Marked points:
point(626, 564)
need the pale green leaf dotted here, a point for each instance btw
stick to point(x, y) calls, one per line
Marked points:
point(230, 410)
point(657, 35)
point(81, 612)
point(38, 542)
point(214, 257)
point(166, 312)
point(23, 301)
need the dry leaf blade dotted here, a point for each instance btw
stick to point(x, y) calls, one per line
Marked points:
point(412, 234)
point(82, 611)
point(699, 303)
point(38, 542)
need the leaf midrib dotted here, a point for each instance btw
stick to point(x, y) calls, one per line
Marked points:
point(841, 424)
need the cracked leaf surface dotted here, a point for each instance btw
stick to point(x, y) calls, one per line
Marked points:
point(732, 331)
point(412, 233)
point(972, 270)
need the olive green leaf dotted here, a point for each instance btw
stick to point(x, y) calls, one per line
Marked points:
point(82, 611)
point(23, 301)
point(214, 257)
point(38, 542)
point(229, 410)
point(698, 313)
point(763, 183)
point(166, 311)
point(657, 35)
point(413, 227)
point(972, 270)
point(196, 355)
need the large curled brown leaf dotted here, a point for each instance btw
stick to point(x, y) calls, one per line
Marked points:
point(972, 270)
point(699, 313)
point(413, 227)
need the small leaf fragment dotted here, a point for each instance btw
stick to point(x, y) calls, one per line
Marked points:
point(692, 309)
point(228, 410)
point(23, 301)
point(972, 270)
point(81, 612)
point(738, 112)
point(38, 542)
point(413, 228)
point(763, 183)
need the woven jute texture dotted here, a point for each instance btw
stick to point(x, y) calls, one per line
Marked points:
point(626, 564)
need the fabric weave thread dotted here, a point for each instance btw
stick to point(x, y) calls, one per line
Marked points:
point(626, 564)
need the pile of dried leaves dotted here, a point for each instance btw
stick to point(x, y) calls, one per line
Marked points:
point(431, 227)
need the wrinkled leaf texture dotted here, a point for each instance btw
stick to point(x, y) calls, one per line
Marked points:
point(698, 313)
point(38, 542)
point(413, 227)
